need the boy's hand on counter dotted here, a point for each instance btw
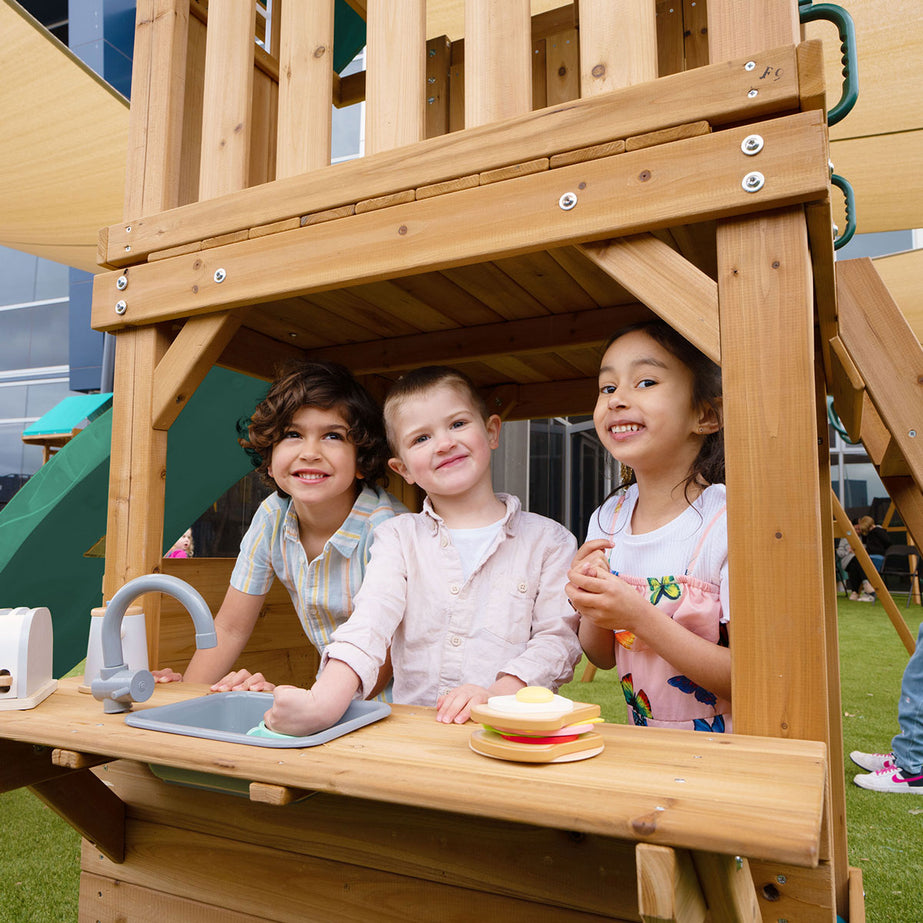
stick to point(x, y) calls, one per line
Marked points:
point(167, 676)
point(455, 706)
point(243, 681)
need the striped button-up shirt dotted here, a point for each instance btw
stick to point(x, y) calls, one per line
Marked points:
point(322, 590)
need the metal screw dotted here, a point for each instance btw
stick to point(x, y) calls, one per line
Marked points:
point(430, 100)
point(120, 307)
point(912, 434)
point(781, 879)
point(568, 201)
point(749, 65)
point(751, 145)
point(128, 229)
point(753, 182)
point(121, 283)
point(753, 93)
point(220, 275)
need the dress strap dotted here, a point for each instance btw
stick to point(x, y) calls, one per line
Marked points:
point(615, 512)
point(698, 547)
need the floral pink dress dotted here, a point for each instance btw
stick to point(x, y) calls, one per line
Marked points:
point(656, 695)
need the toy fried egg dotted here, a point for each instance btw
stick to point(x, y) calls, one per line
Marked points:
point(531, 701)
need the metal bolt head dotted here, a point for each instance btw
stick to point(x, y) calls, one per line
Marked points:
point(753, 182)
point(753, 94)
point(121, 283)
point(120, 307)
point(749, 65)
point(220, 275)
point(781, 879)
point(912, 433)
point(568, 201)
point(751, 145)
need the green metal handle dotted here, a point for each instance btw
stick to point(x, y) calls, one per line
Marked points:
point(849, 195)
point(847, 30)
point(835, 421)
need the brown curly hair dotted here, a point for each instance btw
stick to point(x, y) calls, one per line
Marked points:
point(321, 384)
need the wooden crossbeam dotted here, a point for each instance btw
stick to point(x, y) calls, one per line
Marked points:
point(653, 188)
point(187, 361)
point(668, 889)
point(717, 93)
point(471, 344)
point(667, 283)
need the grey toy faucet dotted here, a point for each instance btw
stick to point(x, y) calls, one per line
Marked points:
point(117, 686)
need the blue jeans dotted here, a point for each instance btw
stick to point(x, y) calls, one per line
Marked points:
point(908, 744)
point(878, 560)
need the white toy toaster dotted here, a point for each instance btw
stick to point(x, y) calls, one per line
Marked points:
point(25, 657)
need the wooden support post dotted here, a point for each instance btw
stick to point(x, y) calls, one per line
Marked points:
point(226, 120)
point(305, 86)
point(774, 508)
point(498, 60)
point(156, 122)
point(728, 888)
point(395, 74)
point(668, 890)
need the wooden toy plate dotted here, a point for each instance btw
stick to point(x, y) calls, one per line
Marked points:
point(507, 720)
point(490, 743)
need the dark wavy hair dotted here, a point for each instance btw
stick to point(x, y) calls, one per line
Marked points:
point(316, 384)
point(708, 466)
point(422, 381)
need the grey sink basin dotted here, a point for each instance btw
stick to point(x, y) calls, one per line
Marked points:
point(228, 716)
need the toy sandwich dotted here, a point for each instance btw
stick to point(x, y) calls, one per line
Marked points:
point(536, 726)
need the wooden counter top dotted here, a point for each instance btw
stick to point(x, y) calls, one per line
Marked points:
point(750, 796)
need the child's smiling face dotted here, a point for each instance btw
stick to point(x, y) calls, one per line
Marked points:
point(442, 443)
point(644, 414)
point(315, 460)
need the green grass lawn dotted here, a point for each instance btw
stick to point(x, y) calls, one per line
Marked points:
point(39, 864)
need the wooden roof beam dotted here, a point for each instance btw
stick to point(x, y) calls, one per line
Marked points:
point(718, 94)
point(626, 194)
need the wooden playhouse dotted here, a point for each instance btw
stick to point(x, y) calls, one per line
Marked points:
point(525, 190)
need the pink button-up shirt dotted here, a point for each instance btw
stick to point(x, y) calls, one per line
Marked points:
point(509, 616)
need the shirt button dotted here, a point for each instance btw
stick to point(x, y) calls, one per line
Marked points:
point(456, 641)
point(522, 588)
point(454, 589)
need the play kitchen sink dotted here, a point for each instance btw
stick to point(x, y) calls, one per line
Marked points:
point(229, 716)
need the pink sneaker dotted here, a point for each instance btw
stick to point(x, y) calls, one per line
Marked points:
point(891, 779)
point(873, 762)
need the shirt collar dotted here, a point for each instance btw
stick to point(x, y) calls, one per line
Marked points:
point(512, 508)
point(346, 538)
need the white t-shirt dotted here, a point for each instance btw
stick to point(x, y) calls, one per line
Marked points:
point(472, 544)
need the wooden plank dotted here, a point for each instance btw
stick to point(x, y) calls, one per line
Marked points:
point(670, 37)
point(438, 60)
point(662, 279)
point(277, 795)
point(305, 87)
point(655, 187)
point(395, 75)
point(888, 356)
point(158, 83)
point(587, 153)
point(22, 764)
point(222, 872)
point(562, 68)
point(666, 135)
point(791, 893)
point(264, 112)
point(226, 122)
point(498, 66)
point(513, 171)
point(718, 94)
point(520, 338)
point(763, 796)
point(668, 890)
point(618, 44)
point(188, 360)
point(847, 389)
point(110, 900)
point(908, 498)
point(90, 808)
point(71, 759)
point(728, 888)
point(134, 525)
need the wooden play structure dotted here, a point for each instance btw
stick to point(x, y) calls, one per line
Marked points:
point(525, 191)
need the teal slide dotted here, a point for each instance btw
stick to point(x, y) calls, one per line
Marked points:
point(60, 512)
